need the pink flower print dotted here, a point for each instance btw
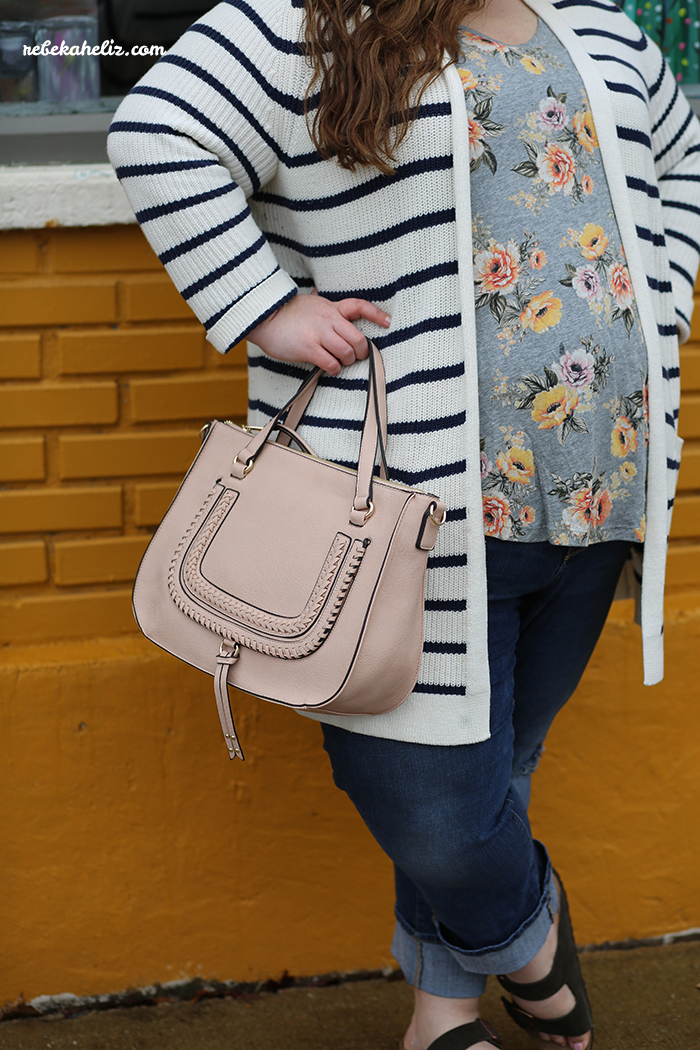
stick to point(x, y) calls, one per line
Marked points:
point(484, 465)
point(556, 166)
point(476, 136)
point(498, 267)
point(586, 284)
point(497, 516)
point(575, 368)
point(552, 113)
point(621, 286)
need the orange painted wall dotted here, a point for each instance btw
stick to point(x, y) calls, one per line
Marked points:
point(133, 850)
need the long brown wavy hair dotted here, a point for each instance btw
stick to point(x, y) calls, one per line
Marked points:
point(372, 63)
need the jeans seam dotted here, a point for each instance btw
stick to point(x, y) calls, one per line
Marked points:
point(418, 978)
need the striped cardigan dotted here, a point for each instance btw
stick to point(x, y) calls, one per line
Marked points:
point(213, 150)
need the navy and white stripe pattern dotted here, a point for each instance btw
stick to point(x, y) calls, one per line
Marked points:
point(214, 153)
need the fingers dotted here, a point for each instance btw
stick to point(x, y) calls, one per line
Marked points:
point(320, 358)
point(318, 331)
point(353, 309)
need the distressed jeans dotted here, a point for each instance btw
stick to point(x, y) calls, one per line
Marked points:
point(474, 891)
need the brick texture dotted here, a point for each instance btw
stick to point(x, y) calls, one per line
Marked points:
point(50, 617)
point(22, 563)
point(52, 510)
point(689, 420)
point(105, 379)
point(152, 501)
point(58, 300)
point(22, 459)
point(152, 297)
point(686, 517)
point(690, 368)
point(683, 568)
point(189, 397)
point(99, 350)
point(18, 252)
point(89, 251)
point(98, 561)
point(689, 477)
point(20, 356)
point(115, 455)
point(54, 404)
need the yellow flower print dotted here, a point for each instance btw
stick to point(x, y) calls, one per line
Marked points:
point(585, 130)
point(551, 407)
point(592, 241)
point(641, 531)
point(469, 81)
point(587, 184)
point(628, 470)
point(533, 65)
point(527, 515)
point(623, 439)
point(538, 258)
point(518, 464)
point(542, 312)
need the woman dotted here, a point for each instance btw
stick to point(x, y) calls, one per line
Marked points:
point(498, 195)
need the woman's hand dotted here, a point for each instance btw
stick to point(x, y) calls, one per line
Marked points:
point(317, 331)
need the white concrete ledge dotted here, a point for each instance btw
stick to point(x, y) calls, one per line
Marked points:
point(33, 197)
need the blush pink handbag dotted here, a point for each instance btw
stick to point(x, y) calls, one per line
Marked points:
point(294, 579)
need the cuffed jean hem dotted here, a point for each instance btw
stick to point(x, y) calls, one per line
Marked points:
point(431, 967)
point(522, 947)
point(456, 973)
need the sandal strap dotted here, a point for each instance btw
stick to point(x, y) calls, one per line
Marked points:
point(565, 971)
point(466, 1035)
point(535, 991)
point(576, 1022)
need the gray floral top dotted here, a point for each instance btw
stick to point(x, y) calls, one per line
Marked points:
point(562, 360)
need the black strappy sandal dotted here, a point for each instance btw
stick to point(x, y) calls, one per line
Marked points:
point(565, 970)
point(466, 1035)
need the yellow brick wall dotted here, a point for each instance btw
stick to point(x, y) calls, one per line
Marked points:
point(105, 380)
point(133, 850)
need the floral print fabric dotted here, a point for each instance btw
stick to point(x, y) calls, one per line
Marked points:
point(562, 361)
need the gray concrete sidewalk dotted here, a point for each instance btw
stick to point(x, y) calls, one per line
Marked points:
point(643, 999)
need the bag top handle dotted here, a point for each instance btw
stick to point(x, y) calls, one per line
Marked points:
point(374, 429)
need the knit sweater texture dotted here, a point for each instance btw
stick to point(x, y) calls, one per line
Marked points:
point(213, 150)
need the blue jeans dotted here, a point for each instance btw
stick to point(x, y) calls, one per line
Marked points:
point(474, 893)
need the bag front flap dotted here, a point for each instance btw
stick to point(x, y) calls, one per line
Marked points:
point(268, 559)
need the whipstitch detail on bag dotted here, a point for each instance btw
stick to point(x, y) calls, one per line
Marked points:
point(245, 623)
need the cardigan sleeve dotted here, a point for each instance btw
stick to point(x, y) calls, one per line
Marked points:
point(192, 141)
point(676, 144)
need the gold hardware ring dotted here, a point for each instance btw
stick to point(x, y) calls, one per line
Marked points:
point(248, 465)
point(434, 519)
point(234, 651)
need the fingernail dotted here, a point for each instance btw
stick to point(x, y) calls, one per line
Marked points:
point(387, 320)
point(578, 1046)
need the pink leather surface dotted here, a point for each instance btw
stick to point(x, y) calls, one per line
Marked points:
point(325, 603)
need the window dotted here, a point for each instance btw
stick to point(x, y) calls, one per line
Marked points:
point(65, 64)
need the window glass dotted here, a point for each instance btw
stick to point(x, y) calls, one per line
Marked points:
point(65, 51)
